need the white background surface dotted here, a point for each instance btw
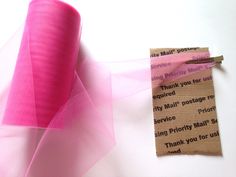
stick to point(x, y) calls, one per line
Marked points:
point(126, 29)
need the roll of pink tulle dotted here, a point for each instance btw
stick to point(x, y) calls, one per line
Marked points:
point(45, 66)
point(60, 123)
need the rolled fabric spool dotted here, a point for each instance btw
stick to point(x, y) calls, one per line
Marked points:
point(63, 117)
point(47, 58)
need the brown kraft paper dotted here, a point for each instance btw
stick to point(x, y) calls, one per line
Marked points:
point(184, 112)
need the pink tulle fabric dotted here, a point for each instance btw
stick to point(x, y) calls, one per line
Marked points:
point(54, 123)
point(56, 115)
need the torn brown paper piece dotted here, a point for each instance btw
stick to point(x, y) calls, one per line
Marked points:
point(185, 113)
